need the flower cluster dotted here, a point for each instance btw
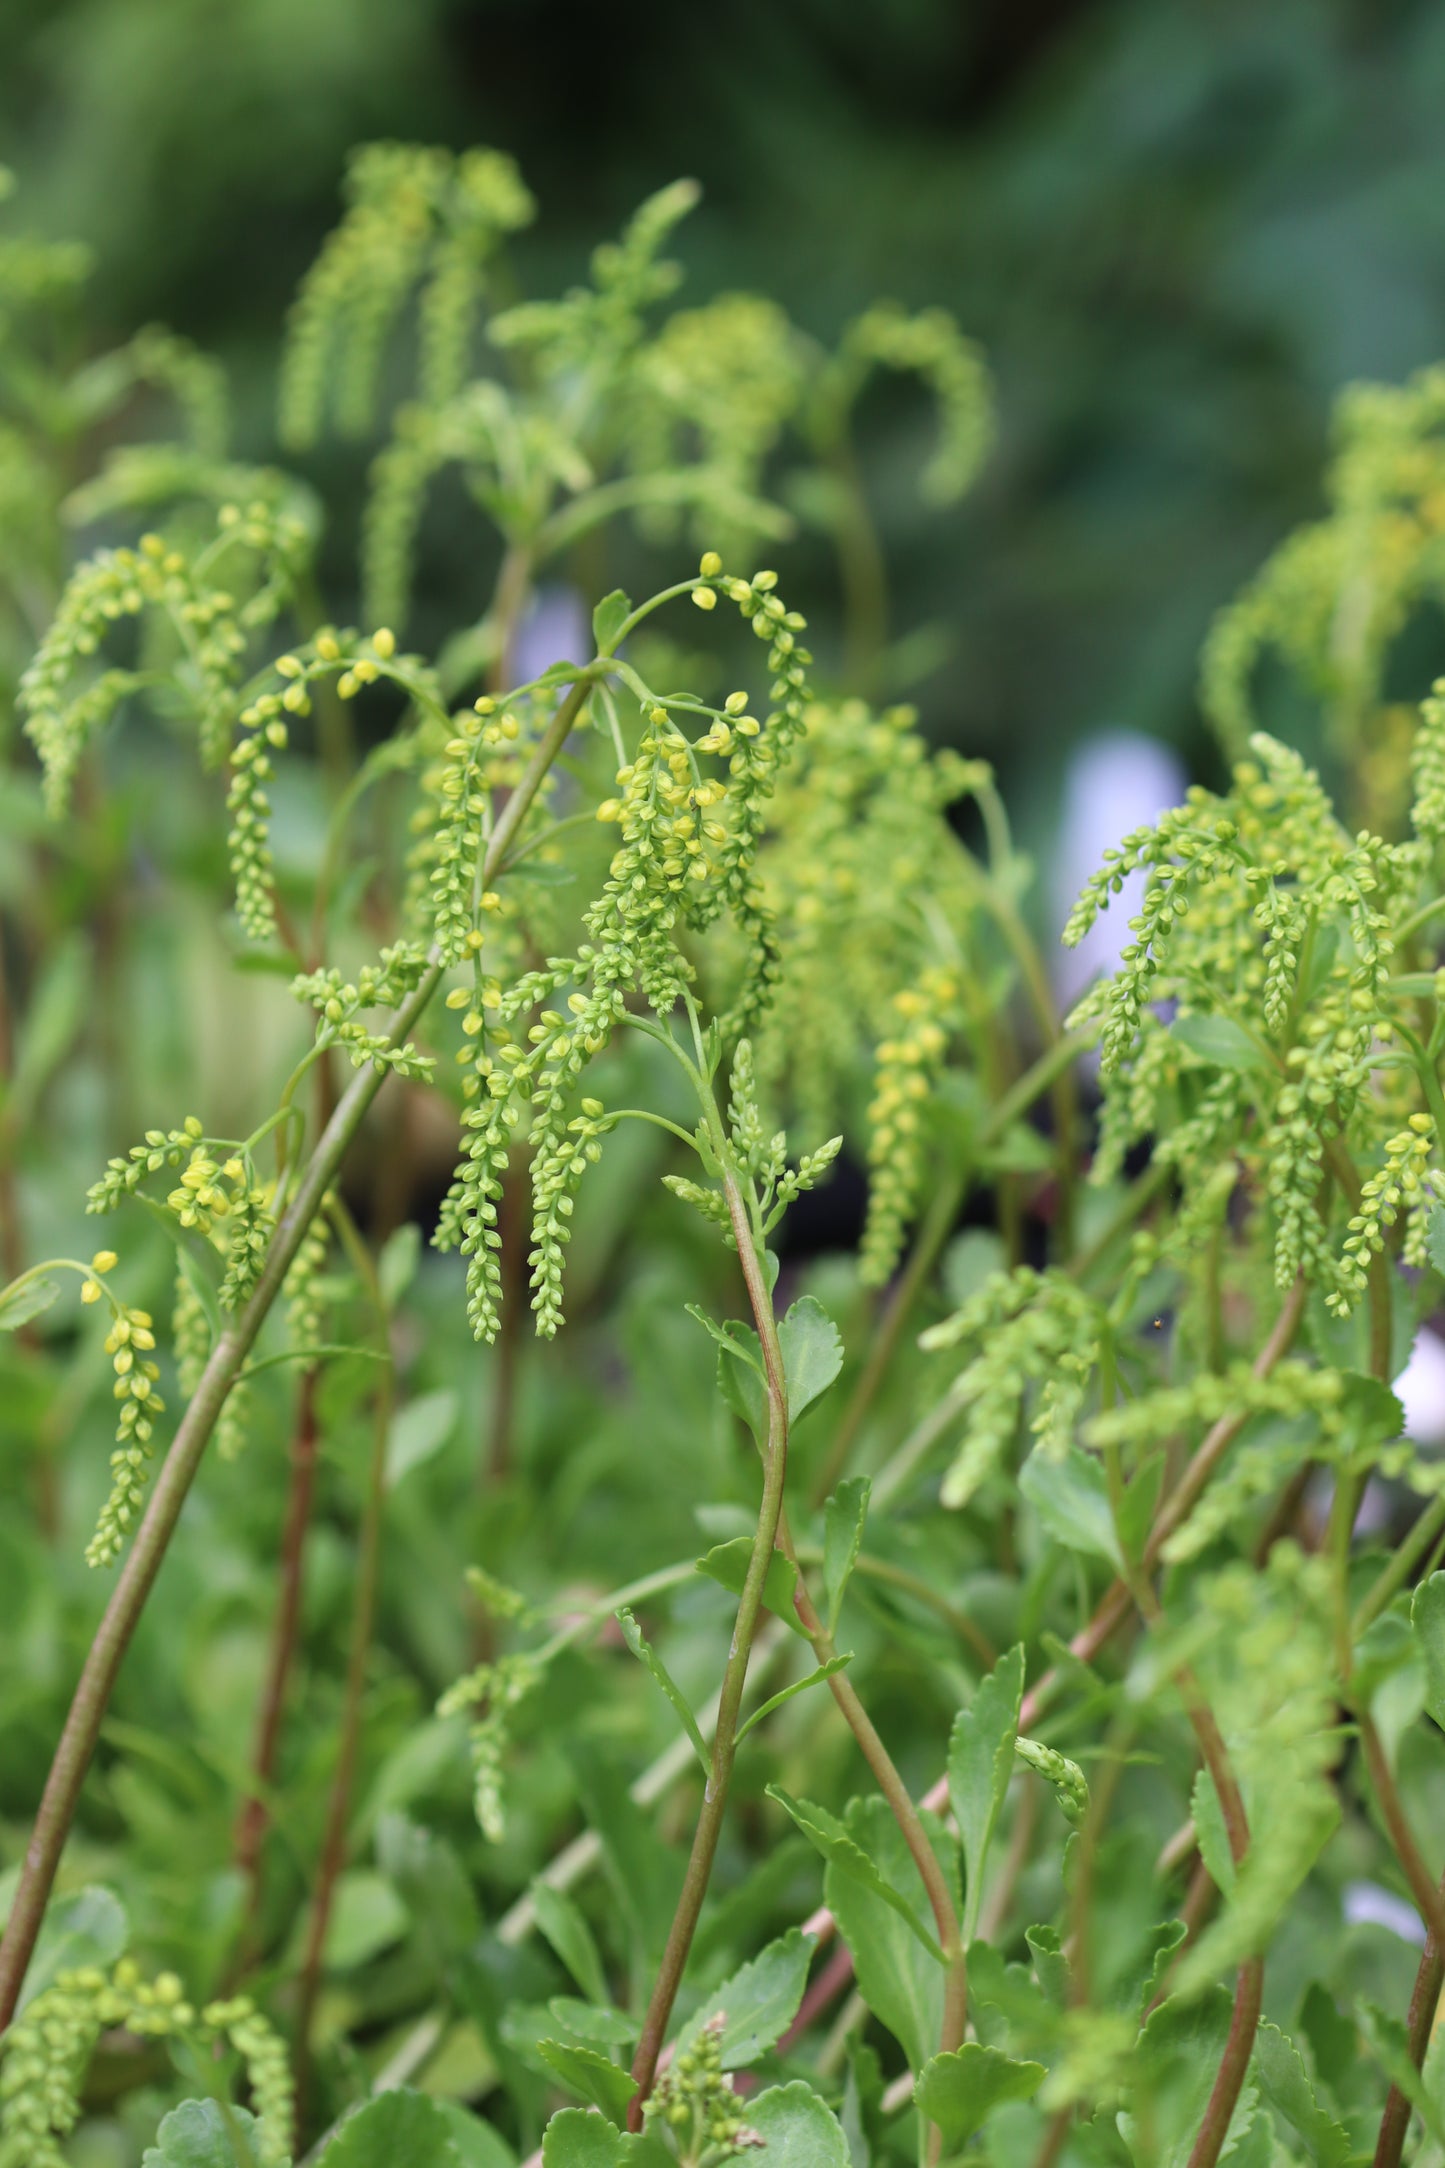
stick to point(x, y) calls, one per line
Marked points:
point(413, 217)
point(1271, 929)
point(694, 2107)
point(129, 1344)
point(488, 1695)
point(1405, 1182)
point(931, 347)
point(206, 626)
point(302, 1289)
point(340, 1004)
point(1336, 595)
point(860, 868)
point(909, 1063)
point(49, 2045)
point(1032, 1330)
point(686, 854)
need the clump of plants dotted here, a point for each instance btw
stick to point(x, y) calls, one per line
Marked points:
point(939, 1696)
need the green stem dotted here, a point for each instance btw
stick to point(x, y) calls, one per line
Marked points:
point(1403, 1563)
point(363, 1619)
point(715, 1793)
point(906, 1814)
point(1419, 2025)
point(178, 1470)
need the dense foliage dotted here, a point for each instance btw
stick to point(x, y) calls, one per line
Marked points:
point(1041, 1580)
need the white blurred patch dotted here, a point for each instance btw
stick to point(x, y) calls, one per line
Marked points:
point(556, 628)
point(1115, 783)
point(1367, 1905)
point(1421, 1389)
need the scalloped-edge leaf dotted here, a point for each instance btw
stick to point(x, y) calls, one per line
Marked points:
point(195, 2135)
point(591, 2075)
point(1286, 2085)
point(844, 1517)
point(812, 1354)
point(396, 2126)
point(647, 1656)
point(828, 1836)
point(760, 2001)
point(727, 1564)
point(959, 2091)
point(980, 1763)
point(798, 2129)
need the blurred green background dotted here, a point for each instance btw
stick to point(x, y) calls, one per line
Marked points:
point(1175, 229)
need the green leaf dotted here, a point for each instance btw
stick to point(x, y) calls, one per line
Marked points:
point(798, 2129)
point(598, 2024)
point(980, 1763)
point(575, 2139)
point(608, 619)
point(88, 1928)
point(1221, 1042)
point(1390, 2046)
point(1435, 1237)
point(828, 1835)
point(591, 2075)
point(1177, 2061)
point(394, 2127)
point(843, 1520)
point(418, 1431)
point(1427, 1618)
point(397, 1263)
point(560, 1920)
point(812, 1354)
point(1138, 1505)
point(1051, 1965)
point(760, 2002)
point(479, 2144)
point(18, 1304)
point(727, 1564)
point(1071, 1498)
point(799, 1686)
point(1211, 1834)
point(899, 1977)
point(1369, 1413)
point(959, 2091)
point(1286, 2086)
point(197, 2134)
point(647, 1655)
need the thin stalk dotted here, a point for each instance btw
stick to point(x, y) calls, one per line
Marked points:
point(1419, 2024)
point(178, 1470)
point(363, 1619)
point(1249, 1983)
point(1401, 1565)
point(715, 1793)
point(253, 1818)
point(1402, 1838)
point(905, 1814)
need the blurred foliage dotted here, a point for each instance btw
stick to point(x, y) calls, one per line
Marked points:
point(1175, 231)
